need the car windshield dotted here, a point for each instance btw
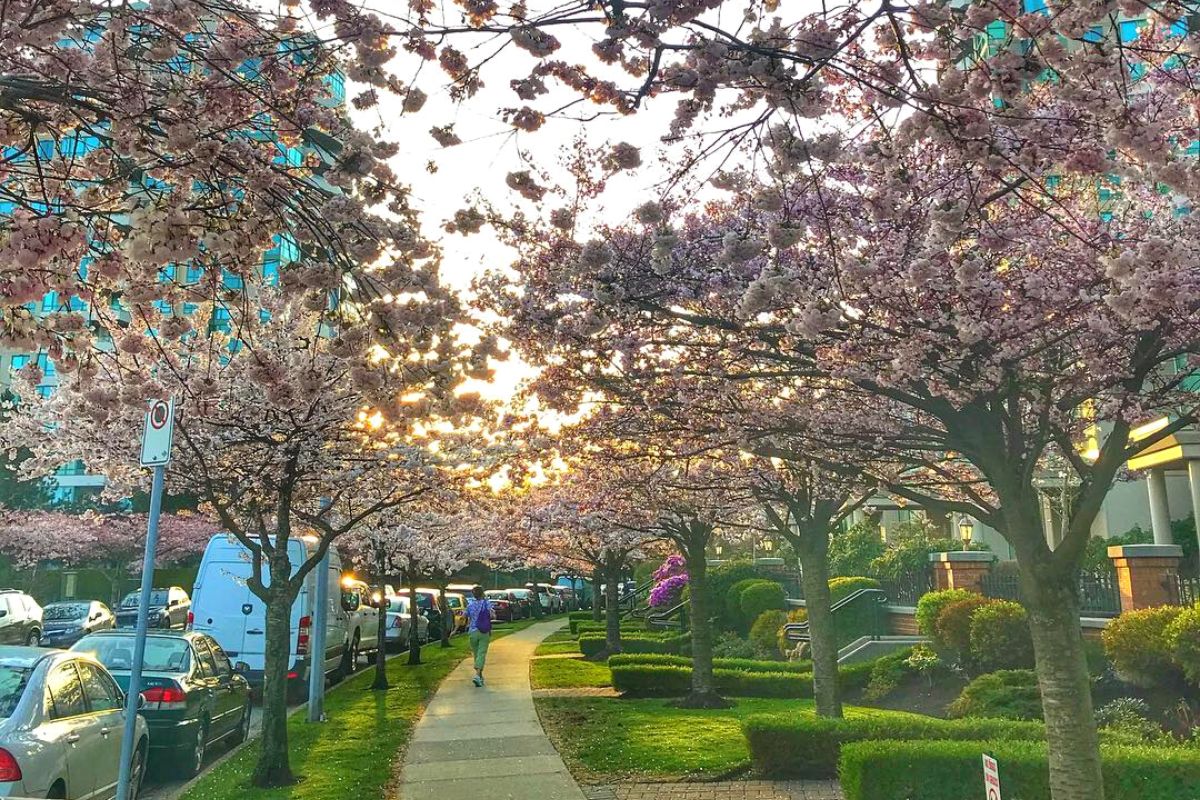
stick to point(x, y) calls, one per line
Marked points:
point(163, 654)
point(497, 595)
point(158, 597)
point(398, 604)
point(12, 684)
point(64, 611)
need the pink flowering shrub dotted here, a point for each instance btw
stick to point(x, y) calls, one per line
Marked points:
point(670, 580)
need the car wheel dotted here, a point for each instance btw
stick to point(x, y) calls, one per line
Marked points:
point(243, 731)
point(194, 755)
point(34, 639)
point(137, 771)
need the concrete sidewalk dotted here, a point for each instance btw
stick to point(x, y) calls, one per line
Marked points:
point(474, 744)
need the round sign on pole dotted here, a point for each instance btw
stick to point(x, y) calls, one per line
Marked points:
point(157, 433)
point(160, 413)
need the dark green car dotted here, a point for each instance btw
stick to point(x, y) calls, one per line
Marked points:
point(193, 697)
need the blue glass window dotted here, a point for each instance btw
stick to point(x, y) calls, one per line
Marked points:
point(1130, 28)
point(232, 280)
point(1094, 35)
point(19, 362)
point(1035, 7)
point(46, 365)
point(50, 302)
point(194, 274)
point(45, 391)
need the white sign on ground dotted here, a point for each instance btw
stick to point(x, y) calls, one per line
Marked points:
point(157, 433)
point(991, 778)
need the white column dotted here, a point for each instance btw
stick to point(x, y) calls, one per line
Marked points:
point(1160, 512)
point(1194, 483)
point(1049, 529)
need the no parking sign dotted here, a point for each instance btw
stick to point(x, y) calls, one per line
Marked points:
point(991, 778)
point(157, 433)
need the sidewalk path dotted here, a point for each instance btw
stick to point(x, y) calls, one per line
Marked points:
point(487, 744)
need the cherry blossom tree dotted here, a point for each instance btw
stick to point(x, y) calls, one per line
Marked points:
point(156, 150)
point(284, 424)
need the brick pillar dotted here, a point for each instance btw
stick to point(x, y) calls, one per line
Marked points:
point(1146, 574)
point(961, 570)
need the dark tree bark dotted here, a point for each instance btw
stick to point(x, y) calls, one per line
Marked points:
point(273, 768)
point(813, 549)
point(612, 610)
point(597, 579)
point(692, 538)
point(380, 683)
point(414, 613)
point(447, 617)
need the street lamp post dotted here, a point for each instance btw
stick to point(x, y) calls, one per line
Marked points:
point(966, 531)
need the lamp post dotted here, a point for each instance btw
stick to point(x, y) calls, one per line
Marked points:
point(718, 549)
point(966, 530)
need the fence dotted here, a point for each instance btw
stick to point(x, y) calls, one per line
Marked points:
point(1184, 589)
point(906, 589)
point(1099, 594)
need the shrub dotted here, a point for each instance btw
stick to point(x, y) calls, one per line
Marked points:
point(930, 606)
point(1136, 643)
point(733, 601)
point(744, 664)
point(669, 680)
point(591, 644)
point(764, 634)
point(577, 617)
point(1007, 694)
point(1183, 639)
point(952, 628)
point(886, 675)
point(841, 588)
point(807, 746)
point(1130, 717)
point(760, 597)
point(1000, 637)
point(583, 627)
point(729, 645)
point(721, 578)
point(851, 552)
point(950, 770)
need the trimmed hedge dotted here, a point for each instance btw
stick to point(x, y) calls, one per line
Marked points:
point(576, 617)
point(666, 680)
point(591, 644)
point(743, 664)
point(930, 606)
point(638, 628)
point(804, 745)
point(946, 770)
point(760, 597)
point(663, 679)
point(841, 588)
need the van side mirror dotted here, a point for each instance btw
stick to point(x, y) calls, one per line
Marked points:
point(241, 668)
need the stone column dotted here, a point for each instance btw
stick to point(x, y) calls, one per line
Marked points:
point(1160, 511)
point(961, 570)
point(1194, 485)
point(1146, 574)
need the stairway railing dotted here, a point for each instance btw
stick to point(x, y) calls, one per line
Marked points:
point(875, 600)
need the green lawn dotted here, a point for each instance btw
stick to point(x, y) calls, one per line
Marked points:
point(353, 754)
point(552, 646)
point(562, 673)
point(606, 739)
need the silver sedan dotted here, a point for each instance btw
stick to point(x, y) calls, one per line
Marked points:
point(61, 722)
point(399, 623)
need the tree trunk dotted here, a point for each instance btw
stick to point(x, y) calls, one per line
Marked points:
point(704, 692)
point(813, 549)
point(447, 617)
point(1053, 607)
point(612, 611)
point(380, 683)
point(537, 601)
point(273, 768)
point(414, 612)
point(597, 579)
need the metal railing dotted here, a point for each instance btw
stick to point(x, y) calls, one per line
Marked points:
point(673, 617)
point(873, 600)
point(629, 605)
point(1099, 593)
point(1184, 590)
point(907, 589)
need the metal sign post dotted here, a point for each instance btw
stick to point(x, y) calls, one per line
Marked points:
point(156, 452)
point(320, 626)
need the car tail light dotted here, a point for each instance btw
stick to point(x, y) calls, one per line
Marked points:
point(291, 676)
point(394, 622)
point(165, 698)
point(191, 620)
point(10, 770)
point(302, 636)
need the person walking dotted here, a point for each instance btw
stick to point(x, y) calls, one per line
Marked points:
point(479, 618)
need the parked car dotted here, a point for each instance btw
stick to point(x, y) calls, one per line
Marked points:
point(191, 696)
point(524, 598)
point(458, 609)
point(427, 599)
point(70, 620)
point(363, 626)
point(226, 609)
point(20, 619)
point(62, 720)
point(168, 609)
point(566, 596)
point(505, 604)
point(551, 602)
point(399, 622)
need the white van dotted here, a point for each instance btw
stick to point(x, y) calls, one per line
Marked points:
point(224, 607)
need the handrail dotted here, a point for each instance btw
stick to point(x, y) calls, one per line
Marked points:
point(799, 631)
point(663, 619)
point(633, 607)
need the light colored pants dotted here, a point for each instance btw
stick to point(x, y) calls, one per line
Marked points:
point(479, 645)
